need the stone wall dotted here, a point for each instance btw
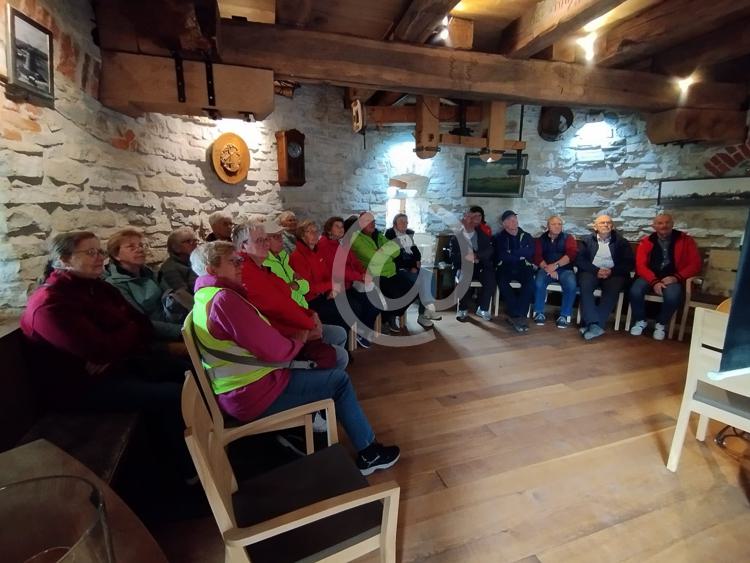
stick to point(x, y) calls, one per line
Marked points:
point(80, 165)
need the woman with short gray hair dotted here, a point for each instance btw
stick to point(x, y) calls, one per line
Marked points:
point(175, 273)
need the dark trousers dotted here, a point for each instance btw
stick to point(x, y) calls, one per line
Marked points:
point(611, 287)
point(672, 295)
point(487, 278)
point(394, 288)
point(516, 303)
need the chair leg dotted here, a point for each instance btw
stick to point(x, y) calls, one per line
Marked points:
point(309, 441)
point(683, 320)
point(618, 314)
point(700, 432)
point(497, 302)
point(352, 342)
point(402, 321)
point(379, 324)
point(628, 317)
point(672, 324)
point(678, 439)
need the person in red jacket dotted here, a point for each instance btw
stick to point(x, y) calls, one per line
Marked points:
point(90, 350)
point(309, 262)
point(663, 261)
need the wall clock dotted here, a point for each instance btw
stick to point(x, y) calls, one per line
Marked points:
point(291, 156)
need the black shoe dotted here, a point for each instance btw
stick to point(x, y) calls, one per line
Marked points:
point(363, 342)
point(377, 456)
point(562, 322)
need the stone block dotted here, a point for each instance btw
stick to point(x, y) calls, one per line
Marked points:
point(135, 199)
point(21, 165)
point(65, 171)
point(182, 203)
point(601, 176)
point(163, 183)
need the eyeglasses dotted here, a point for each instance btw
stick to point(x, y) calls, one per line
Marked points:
point(236, 260)
point(91, 252)
point(136, 246)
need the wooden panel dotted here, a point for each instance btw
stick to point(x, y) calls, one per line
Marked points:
point(349, 61)
point(405, 115)
point(696, 125)
point(138, 83)
point(263, 11)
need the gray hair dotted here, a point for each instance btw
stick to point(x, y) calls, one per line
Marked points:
point(62, 245)
point(400, 216)
point(286, 215)
point(217, 216)
point(209, 254)
point(241, 233)
point(175, 237)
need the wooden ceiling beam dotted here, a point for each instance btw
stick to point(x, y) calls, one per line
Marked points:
point(721, 45)
point(407, 115)
point(350, 61)
point(548, 22)
point(663, 26)
point(696, 125)
point(421, 18)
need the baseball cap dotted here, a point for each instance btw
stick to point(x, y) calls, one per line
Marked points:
point(507, 213)
point(272, 227)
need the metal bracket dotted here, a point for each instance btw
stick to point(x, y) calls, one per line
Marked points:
point(210, 83)
point(180, 76)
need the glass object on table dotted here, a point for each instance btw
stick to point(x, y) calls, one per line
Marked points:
point(60, 518)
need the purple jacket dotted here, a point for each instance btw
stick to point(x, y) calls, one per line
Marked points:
point(232, 318)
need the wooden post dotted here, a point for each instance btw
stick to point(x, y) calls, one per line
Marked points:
point(493, 125)
point(428, 125)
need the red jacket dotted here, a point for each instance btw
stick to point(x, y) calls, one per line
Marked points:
point(353, 270)
point(687, 258)
point(310, 265)
point(272, 296)
point(71, 320)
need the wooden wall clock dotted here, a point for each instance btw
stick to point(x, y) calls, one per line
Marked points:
point(291, 155)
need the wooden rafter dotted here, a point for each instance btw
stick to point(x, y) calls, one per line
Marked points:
point(421, 19)
point(664, 25)
point(548, 22)
point(406, 115)
point(350, 61)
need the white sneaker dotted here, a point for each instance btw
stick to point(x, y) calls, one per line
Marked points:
point(431, 313)
point(659, 331)
point(424, 321)
point(482, 314)
point(638, 328)
point(320, 424)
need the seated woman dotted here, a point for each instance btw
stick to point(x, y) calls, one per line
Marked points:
point(91, 350)
point(175, 273)
point(127, 271)
point(278, 262)
point(308, 261)
point(225, 319)
point(273, 297)
point(409, 265)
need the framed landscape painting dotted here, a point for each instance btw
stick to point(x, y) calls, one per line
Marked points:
point(29, 52)
point(705, 191)
point(492, 179)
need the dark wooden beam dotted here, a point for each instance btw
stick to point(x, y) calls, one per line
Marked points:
point(696, 125)
point(364, 63)
point(663, 26)
point(550, 21)
point(421, 19)
point(407, 115)
point(725, 44)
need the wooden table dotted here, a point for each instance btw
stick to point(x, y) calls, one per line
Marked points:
point(131, 540)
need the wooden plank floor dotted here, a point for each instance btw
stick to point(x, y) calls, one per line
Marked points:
point(539, 447)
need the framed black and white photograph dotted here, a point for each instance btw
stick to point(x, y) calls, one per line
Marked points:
point(29, 55)
point(705, 192)
point(494, 179)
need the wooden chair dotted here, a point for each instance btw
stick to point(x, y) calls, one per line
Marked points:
point(720, 396)
point(318, 507)
point(713, 285)
point(228, 432)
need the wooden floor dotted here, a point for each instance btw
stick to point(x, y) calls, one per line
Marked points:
point(538, 447)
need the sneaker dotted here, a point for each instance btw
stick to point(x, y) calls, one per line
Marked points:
point(392, 326)
point(517, 324)
point(294, 442)
point(462, 316)
point(363, 342)
point(539, 319)
point(377, 456)
point(424, 321)
point(562, 322)
point(431, 313)
point(660, 331)
point(485, 315)
point(594, 331)
point(638, 328)
point(320, 424)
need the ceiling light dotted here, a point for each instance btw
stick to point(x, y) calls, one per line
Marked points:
point(684, 83)
point(445, 21)
point(587, 43)
point(444, 34)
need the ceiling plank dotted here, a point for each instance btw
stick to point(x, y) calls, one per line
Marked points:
point(663, 26)
point(719, 46)
point(550, 21)
point(350, 61)
point(696, 125)
point(405, 115)
point(263, 11)
point(421, 19)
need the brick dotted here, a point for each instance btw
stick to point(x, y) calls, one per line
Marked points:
point(745, 150)
point(68, 59)
point(18, 121)
point(11, 135)
point(712, 169)
point(731, 162)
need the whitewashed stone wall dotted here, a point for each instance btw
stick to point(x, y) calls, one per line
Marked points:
point(83, 166)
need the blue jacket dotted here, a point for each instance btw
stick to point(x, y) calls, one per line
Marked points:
point(512, 252)
point(622, 254)
point(484, 250)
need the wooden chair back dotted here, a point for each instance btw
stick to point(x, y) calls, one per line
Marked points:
point(720, 272)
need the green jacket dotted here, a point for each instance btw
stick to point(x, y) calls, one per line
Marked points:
point(279, 265)
point(143, 293)
point(377, 253)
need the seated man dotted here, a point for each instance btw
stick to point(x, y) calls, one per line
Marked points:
point(471, 255)
point(225, 320)
point(604, 261)
point(555, 255)
point(221, 226)
point(663, 261)
point(514, 250)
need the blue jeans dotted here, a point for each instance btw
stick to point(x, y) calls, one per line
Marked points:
point(672, 295)
point(336, 336)
point(566, 279)
point(310, 385)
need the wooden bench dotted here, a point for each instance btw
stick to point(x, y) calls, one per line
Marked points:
point(98, 440)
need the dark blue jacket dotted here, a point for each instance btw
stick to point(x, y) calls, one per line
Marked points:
point(511, 251)
point(622, 254)
point(484, 251)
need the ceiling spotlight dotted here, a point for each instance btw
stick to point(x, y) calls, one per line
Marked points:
point(587, 44)
point(444, 34)
point(445, 21)
point(684, 83)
